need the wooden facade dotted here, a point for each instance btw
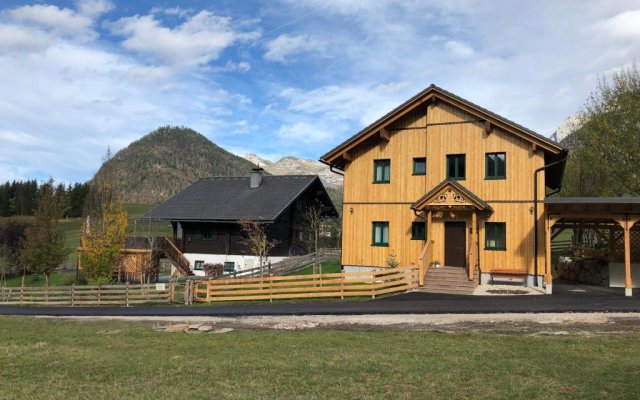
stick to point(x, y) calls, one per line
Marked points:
point(435, 125)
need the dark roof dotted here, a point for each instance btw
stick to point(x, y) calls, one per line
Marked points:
point(458, 186)
point(592, 205)
point(435, 88)
point(228, 199)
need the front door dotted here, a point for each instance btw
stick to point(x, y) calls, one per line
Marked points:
point(455, 244)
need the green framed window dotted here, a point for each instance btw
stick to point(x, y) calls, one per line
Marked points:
point(418, 230)
point(229, 266)
point(420, 166)
point(207, 235)
point(456, 166)
point(496, 166)
point(381, 171)
point(198, 265)
point(380, 233)
point(495, 236)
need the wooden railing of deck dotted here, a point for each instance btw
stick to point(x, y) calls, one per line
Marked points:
point(180, 261)
point(426, 257)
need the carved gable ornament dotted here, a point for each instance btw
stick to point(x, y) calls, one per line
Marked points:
point(449, 198)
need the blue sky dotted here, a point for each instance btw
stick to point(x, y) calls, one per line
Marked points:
point(283, 77)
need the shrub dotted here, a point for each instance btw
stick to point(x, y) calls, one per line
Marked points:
point(212, 270)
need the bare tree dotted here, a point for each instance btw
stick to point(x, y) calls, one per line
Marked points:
point(257, 240)
point(313, 217)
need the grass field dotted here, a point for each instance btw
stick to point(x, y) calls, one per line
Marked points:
point(72, 226)
point(55, 359)
point(329, 267)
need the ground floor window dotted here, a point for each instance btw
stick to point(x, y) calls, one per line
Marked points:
point(229, 266)
point(380, 233)
point(198, 265)
point(418, 231)
point(495, 236)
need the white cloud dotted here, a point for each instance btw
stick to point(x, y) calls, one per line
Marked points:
point(61, 21)
point(459, 49)
point(94, 8)
point(305, 132)
point(623, 25)
point(21, 39)
point(196, 42)
point(285, 46)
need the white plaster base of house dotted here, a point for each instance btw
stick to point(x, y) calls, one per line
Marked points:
point(242, 262)
point(616, 275)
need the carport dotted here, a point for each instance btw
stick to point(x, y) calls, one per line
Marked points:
point(607, 216)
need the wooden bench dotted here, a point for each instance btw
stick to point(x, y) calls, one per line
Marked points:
point(510, 273)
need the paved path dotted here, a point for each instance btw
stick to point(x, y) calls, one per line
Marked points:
point(565, 299)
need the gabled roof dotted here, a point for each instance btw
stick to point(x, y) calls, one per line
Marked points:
point(435, 92)
point(229, 199)
point(456, 186)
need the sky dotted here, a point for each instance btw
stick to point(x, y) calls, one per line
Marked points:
point(283, 77)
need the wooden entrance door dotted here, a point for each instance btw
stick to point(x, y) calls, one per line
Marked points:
point(455, 244)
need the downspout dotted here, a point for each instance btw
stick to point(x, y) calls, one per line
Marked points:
point(535, 212)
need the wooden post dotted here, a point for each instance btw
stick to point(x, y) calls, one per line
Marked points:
point(342, 286)
point(73, 294)
point(127, 294)
point(270, 287)
point(473, 246)
point(548, 279)
point(626, 227)
point(172, 291)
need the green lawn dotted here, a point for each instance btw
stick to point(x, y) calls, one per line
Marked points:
point(56, 359)
point(56, 279)
point(72, 226)
point(329, 267)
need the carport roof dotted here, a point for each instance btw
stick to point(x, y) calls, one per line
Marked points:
point(592, 205)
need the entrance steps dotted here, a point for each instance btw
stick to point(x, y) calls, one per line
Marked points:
point(450, 280)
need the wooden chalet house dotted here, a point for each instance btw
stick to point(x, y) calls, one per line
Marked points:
point(440, 181)
point(205, 218)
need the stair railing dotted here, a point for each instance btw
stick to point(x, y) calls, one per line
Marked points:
point(425, 261)
point(181, 262)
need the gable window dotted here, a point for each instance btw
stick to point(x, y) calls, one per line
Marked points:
point(420, 166)
point(381, 171)
point(207, 235)
point(418, 231)
point(496, 166)
point(495, 236)
point(456, 166)
point(380, 236)
point(198, 265)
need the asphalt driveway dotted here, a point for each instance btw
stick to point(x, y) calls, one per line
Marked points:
point(574, 298)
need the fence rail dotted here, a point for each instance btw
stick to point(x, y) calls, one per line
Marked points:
point(111, 295)
point(343, 284)
point(288, 265)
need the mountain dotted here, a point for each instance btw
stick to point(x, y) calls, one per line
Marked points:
point(168, 159)
point(298, 166)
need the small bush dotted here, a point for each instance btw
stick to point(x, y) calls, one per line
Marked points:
point(72, 280)
point(212, 270)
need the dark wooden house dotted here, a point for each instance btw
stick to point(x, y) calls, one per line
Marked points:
point(205, 217)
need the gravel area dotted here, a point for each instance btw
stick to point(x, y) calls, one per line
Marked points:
point(585, 324)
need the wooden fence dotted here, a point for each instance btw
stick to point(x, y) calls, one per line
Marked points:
point(108, 295)
point(343, 284)
point(286, 266)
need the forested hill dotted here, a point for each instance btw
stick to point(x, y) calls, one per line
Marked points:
point(168, 159)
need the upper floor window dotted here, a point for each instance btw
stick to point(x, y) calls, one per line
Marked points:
point(381, 171)
point(207, 235)
point(420, 166)
point(380, 235)
point(496, 166)
point(456, 166)
point(418, 231)
point(495, 236)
